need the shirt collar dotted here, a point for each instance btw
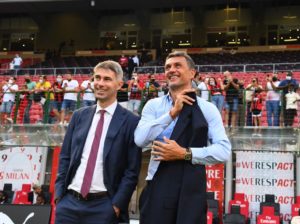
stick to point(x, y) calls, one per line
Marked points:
point(169, 98)
point(110, 109)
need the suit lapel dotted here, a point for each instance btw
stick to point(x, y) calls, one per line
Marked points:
point(85, 124)
point(114, 127)
point(182, 122)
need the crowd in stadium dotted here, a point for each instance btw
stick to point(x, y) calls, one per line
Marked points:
point(241, 101)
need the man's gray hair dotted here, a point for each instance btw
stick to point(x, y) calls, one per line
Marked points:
point(112, 66)
point(188, 59)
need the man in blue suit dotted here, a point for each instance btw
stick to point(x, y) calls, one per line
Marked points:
point(99, 161)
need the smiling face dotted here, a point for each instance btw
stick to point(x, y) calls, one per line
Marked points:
point(179, 75)
point(106, 86)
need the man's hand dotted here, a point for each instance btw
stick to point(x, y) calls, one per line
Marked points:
point(167, 151)
point(56, 200)
point(117, 211)
point(181, 98)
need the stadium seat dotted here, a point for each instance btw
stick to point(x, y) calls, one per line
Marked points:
point(239, 199)
point(209, 217)
point(234, 217)
point(7, 187)
point(268, 216)
point(296, 207)
point(270, 202)
point(213, 206)
point(21, 198)
point(36, 113)
point(26, 187)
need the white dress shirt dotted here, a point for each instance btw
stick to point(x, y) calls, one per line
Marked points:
point(97, 181)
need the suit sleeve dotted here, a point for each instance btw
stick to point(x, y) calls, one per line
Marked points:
point(131, 173)
point(64, 159)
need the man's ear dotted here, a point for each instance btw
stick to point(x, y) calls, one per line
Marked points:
point(193, 72)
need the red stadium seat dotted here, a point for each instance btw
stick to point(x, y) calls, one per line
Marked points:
point(296, 207)
point(239, 199)
point(21, 198)
point(268, 216)
point(26, 187)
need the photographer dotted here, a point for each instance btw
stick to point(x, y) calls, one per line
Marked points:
point(152, 87)
point(284, 86)
point(9, 92)
point(273, 101)
point(231, 87)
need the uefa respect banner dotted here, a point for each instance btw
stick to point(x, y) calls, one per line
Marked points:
point(260, 173)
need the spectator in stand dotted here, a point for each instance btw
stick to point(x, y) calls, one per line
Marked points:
point(250, 89)
point(87, 87)
point(136, 61)
point(231, 87)
point(152, 87)
point(273, 101)
point(123, 61)
point(291, 98)
point(165, 88)
point(122, 95)
point(3, 197)
point(135, 88)
point(256, 106)
point(40, 200)
point(17, 61)
point(33, 195)
point(9, 90)
point(203, 88)
point(28, 89)
point(284, 86)
point(196, 80)
point(241, 108)
point(43, 88)
point(130, 67)
point(195, 83)
point(150, 90)
point(216, 88)
point(70, 87)
point(55, 106)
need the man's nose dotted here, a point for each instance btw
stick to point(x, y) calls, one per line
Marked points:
point(172, 68)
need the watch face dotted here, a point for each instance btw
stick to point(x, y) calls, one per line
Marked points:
point(188, 156)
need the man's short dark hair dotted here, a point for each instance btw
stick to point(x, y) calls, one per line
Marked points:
point(188, 59)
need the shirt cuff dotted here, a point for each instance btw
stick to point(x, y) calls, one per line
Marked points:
point(197, 155)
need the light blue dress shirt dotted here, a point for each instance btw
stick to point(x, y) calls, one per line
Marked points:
point(156, 122)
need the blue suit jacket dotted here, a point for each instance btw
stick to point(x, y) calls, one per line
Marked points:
point(122, 158)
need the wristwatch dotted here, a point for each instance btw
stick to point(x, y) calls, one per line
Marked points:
point(188, 155)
